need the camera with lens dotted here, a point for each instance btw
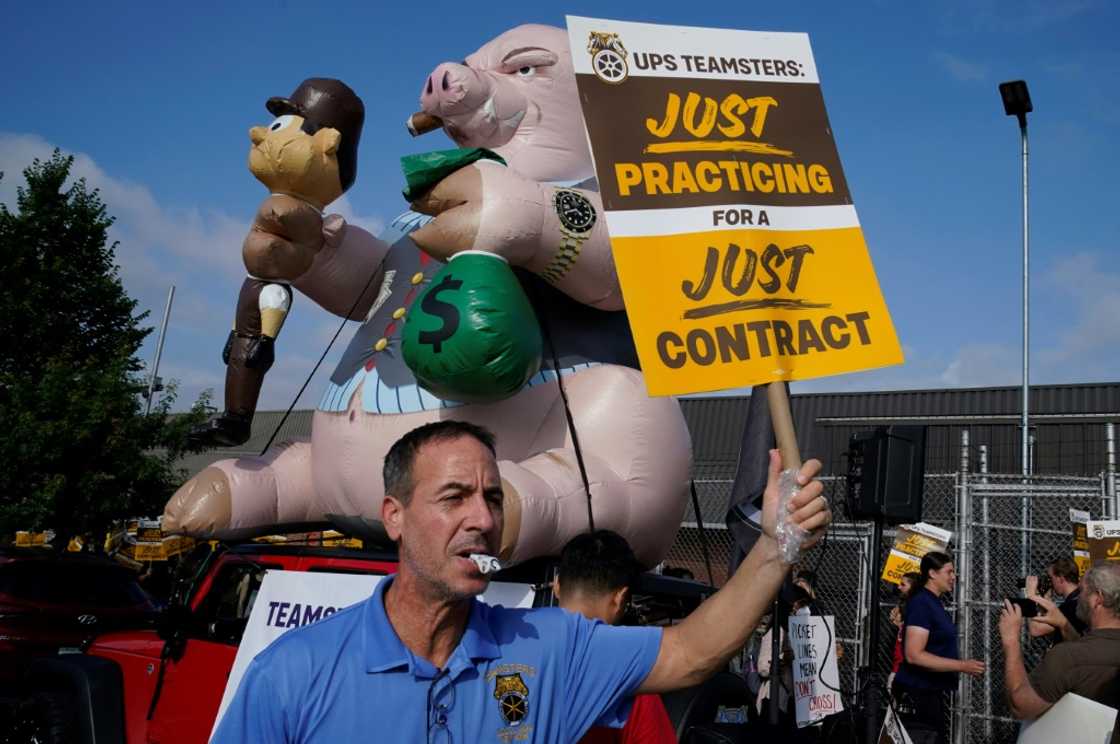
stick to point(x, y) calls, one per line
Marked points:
point(1043, 584)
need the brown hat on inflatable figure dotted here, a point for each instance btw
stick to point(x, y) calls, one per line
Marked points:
point(332, 114)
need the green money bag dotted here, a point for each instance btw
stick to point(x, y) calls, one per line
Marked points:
point(471, 335)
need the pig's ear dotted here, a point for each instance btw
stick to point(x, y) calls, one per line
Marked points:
point(328, 140)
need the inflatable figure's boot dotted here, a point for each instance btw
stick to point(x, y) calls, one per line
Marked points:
point(233, 499)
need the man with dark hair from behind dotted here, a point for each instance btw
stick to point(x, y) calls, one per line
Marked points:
point(596, 573)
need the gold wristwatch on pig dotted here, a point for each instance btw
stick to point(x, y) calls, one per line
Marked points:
point(577, 218)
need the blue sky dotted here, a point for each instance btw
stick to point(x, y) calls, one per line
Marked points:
point(156, 102)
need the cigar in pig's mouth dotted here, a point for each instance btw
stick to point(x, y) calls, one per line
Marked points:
point(422, 122)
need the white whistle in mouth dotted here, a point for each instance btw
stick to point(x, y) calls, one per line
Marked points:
point(486, 563)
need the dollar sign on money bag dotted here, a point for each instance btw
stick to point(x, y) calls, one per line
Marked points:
point(471, 335)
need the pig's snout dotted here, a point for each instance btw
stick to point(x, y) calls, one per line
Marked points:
point(453, 89)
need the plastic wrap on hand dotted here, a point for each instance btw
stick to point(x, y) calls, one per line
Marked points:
point(789, 535)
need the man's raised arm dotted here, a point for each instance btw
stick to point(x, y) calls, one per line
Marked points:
point(704, 641)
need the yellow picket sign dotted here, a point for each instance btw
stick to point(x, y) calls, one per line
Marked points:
point(898, 565)
point(28, 539)
point(1079, 519)
point(911, 542)
point(1104, 540)
point(737, 245)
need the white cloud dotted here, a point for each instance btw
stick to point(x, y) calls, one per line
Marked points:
point(983, 365)
point(158, 245)
point(1090, 343)
point(960, 68)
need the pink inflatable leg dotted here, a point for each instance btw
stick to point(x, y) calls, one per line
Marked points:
point(229, 498)
point(637, 452)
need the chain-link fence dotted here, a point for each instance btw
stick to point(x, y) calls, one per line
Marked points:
point(1005, 527)
point(1015, 527)
point(841, 563)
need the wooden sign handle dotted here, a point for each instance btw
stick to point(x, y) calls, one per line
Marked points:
point(782, 419)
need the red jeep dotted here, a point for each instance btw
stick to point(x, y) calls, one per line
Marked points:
point(165, 684)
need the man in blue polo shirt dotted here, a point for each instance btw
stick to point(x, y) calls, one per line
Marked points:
point(423, 660)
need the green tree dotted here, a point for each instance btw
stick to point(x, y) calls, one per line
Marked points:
point(76, 450)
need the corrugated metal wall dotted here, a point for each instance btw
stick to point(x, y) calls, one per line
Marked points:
point(1075, 448)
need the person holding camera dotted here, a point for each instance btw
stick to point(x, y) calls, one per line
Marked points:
point(1088, 666)
point(1059, 622)
point(930, 657)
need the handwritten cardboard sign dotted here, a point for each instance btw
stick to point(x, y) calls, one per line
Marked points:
point(816, 678)
point(738, 247)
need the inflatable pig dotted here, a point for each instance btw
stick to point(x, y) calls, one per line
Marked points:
point(517, 96)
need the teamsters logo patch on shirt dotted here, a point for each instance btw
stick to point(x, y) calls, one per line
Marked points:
point(513, 697)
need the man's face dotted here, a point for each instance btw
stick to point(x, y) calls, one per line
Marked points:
point(455, 510)
point(1061, 585)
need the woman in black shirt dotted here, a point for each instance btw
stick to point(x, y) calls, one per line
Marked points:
point(930, 659)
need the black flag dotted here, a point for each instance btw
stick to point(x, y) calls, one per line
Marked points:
point(744, 509)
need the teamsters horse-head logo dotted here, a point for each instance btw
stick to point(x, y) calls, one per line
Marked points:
point(512, 696)
point(608, 57)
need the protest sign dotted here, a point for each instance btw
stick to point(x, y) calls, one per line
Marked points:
point(737, 245)
point(911, 542)
point(1079, 520)
point(28, 539)
point(292, 599)
point(137, 541)
point(1104, 540)
point(893, 732)
point(816, 679)
point(1092, 722)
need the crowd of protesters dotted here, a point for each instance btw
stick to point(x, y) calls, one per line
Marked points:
point(1079, 615)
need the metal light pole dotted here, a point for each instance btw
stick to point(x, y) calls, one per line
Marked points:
point(153, 381)
point(1017, 103)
